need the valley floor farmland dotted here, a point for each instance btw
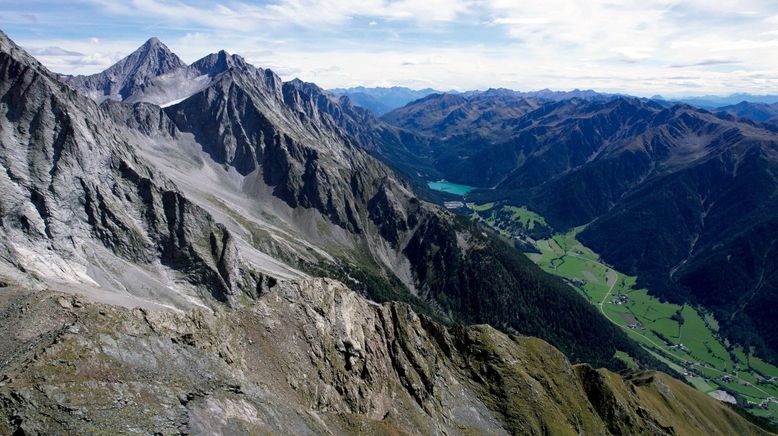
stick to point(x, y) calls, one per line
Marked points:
point(681, 336)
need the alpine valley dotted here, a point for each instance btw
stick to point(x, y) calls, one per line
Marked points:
point(205, 248)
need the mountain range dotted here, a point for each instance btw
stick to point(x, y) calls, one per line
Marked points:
point(382, 100)
point(682, 197)
point(279, 185)
point(238, 261)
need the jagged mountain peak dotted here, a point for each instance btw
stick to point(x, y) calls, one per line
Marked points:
point(217, 63)
point(153, 58)
point(54, 193)
point(130, 74)
point(309, 88)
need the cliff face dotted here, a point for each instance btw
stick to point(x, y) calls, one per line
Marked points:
point(80, 206)
point(313, 357)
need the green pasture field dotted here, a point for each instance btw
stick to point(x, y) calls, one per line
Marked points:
point(684, 337)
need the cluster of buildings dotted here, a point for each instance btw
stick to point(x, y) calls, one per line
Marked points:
point(620, 299)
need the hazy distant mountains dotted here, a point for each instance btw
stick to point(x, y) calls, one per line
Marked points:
point(759, 108)
point(382, 100)
point(715, 101)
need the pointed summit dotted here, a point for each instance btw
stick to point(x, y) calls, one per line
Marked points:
point(154, 74)
point(216, 63)
point(121, 80)
point(151, 59)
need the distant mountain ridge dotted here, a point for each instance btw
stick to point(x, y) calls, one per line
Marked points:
point(381, 100)
point(715, 101)
point(759, 112)
point(543, 94)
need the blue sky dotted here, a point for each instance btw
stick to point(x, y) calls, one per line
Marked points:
point(644, 47)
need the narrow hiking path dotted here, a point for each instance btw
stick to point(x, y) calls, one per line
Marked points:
point(610, 276)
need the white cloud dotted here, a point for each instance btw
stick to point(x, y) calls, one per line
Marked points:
point(247, 16)
point(625, 46)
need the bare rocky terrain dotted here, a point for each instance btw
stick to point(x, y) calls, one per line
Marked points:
point(313, 357)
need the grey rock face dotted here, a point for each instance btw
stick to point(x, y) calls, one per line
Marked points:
point(242, 123)
point(80, 207)
point(217, 63)
point(131, 74)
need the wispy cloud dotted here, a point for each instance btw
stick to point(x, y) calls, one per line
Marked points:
point(706, 62)
point(54, 51)
point(635, 46)
point(245, 16)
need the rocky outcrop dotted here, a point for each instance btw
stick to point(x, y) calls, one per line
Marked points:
point(312, 357)
point(290, 139)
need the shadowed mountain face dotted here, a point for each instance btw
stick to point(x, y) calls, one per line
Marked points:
point(759, 112)
point(684, 198)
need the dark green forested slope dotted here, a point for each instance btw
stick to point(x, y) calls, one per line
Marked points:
point(493, 283)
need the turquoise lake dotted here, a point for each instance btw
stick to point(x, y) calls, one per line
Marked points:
point(451, 188)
